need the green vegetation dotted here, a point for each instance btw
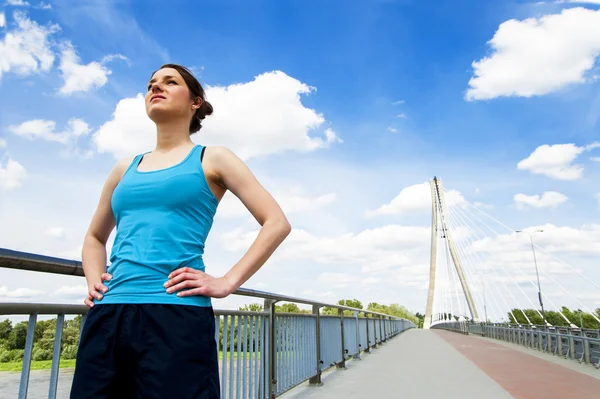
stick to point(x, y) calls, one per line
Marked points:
point(577, 317)
point(392, 310)
point(37, 365)
point(12, 344)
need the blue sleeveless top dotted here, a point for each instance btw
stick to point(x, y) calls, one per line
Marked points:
point(163, 218)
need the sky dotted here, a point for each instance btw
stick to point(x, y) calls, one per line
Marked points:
point(343, 110)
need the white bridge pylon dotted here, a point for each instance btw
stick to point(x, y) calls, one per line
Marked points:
point(439, 227)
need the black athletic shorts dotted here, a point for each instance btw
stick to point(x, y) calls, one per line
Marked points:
point(147, 351)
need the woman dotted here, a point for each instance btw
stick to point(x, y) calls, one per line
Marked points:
point(150, 328)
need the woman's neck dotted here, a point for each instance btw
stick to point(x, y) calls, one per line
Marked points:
point(172, 135)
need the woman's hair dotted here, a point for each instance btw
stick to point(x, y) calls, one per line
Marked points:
point(196, 91)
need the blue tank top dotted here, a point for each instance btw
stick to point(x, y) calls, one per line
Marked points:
point(162, 218)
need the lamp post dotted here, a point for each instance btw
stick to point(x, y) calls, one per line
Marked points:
point(537, 273)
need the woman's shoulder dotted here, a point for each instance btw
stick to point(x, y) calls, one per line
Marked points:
point(119, 169)
point(219, 153)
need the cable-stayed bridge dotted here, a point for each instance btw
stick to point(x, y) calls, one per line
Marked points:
point(506, 317)
point(485, 271)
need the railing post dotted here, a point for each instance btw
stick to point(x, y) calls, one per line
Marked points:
point(27, 357)
point(532, 340)
point(368, 348)
point(586, 349)
point(56, 356)
point(384, 321)
point(316, 380)
point(342, 364)
point(272, 377)
point(357, 336)
point(571, 346)
point(559, 343)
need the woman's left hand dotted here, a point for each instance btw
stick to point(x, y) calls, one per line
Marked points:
point(196, 282)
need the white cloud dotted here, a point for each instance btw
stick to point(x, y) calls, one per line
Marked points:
point(71, 291)
point(291, 200)
point(481, 205)
point(399, 102)
point(12, 175)
point(555, 161)
point(565, 239)
point(44, 6)
point(392, 129)
point(260, 117)
point(75, 254)
point(402, 116)
point(379, 251)
point(549, 199)
point(293, 203)
point(27, 49)
point(19, 293)
point(337, 280)
point(3, 143)
point(17, 3)
point(2, 20)
point(580, 1)
point(45, 130)
point(415, 198)
point(82, 77)
point(55, 232)
point(595, 159)
point(597, 196)
point(537, 56)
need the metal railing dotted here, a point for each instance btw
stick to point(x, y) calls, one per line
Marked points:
point(261, 354)
point(578, 344)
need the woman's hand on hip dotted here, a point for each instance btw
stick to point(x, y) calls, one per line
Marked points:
point(96, 290)
point(196, 282)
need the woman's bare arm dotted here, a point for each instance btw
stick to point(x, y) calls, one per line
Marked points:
point(94, 245)
point(232, 174)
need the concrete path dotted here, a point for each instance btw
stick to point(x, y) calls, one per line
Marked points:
point(428, 364)
point(417, 364)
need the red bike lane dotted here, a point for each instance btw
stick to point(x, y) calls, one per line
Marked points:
point(523, 376)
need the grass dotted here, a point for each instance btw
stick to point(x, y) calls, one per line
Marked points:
point(37, 365)
point(70, 363)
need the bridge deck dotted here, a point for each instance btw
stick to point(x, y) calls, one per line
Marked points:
point(431, 364)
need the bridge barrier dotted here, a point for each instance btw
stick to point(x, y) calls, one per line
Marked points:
point(262, 354)
point(578, 344)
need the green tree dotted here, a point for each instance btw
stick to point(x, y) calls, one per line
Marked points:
point(351, 303)
point(253, 307)
point(5, 329)
point(577, 317)
point(18, 336)
point(287, 308)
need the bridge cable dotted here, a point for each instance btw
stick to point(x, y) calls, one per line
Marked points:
point(471, 257)
point(533, 284)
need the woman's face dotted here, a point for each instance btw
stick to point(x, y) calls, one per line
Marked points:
point(168, 96)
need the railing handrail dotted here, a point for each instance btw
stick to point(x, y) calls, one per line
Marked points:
point(48, 264)
point(567, 333)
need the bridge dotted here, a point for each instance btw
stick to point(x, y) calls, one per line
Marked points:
point(514, 351)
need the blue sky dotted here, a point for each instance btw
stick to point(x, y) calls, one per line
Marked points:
point(407, 90)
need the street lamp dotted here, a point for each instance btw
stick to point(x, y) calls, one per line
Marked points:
point(484, 304)
point(536, 272)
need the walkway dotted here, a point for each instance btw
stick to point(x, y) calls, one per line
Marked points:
point(428, 364)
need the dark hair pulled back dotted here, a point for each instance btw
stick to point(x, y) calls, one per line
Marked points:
point(196, 91)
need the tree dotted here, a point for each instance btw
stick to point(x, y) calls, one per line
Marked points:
point(253, 307)
point(18, 336)
point(577, 317)
point(288, 308)
point(5, 329)
point(351, 303)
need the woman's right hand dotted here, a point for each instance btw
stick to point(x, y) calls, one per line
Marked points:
point(96, 291)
